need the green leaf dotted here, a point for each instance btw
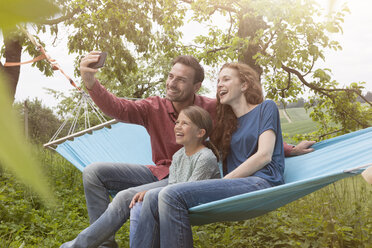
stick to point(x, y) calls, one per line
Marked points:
point(13, 12)
point(15, 152)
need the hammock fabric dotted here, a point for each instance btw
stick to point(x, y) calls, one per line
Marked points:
point(332, 160)
point(121, 142)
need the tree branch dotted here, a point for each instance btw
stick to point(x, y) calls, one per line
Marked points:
point(303, 80)
point(335, 131)
point(139, 93)
point(314, 87)
point(324, 91)
point(365, 99)
point(12, 53)
point(191, 45)
point(311, 68)
point(216, 7)
point(218, 49)
point(289, 82)
point(231, 24)
point(268, 42)
point(229, 9)
point(237, 3)
point(61, 18)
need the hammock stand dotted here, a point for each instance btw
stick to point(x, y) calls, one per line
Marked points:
point(333, 159)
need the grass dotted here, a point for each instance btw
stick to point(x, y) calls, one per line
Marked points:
point(339, 215)
point(336, 216)
point(26, 221)
point(301, 122)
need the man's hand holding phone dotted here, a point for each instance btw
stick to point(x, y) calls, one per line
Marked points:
point(89, 66)
point(100, 62)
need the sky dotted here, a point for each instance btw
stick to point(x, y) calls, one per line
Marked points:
point(352, 64)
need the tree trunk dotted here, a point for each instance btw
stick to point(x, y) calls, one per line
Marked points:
point(13, 51)
point(248, 26)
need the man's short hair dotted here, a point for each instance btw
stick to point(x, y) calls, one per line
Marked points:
point(189, 60)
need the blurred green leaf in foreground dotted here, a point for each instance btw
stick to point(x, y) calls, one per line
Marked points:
point(13, 12)
point(15, 151)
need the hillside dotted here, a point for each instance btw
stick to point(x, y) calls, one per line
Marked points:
point(300, 121)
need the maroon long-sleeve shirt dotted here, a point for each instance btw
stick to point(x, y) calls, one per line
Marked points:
point(158, 116)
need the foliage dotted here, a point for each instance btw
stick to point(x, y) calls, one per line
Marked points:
point(12, 12)
point(42, 123)
point(139, 36)
point(146, 81)
point(26, 221)
point(337, 216)
point(283, 40)
point(132, 32)
point(299, 103)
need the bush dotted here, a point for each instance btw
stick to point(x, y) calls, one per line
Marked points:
point(339, 215)
point(42, 123)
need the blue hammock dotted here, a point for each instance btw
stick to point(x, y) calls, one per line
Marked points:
point(332, 160)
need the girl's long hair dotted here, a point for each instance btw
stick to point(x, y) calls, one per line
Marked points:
point(202, 119)
point(227, 122)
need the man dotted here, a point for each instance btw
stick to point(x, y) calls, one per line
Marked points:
point(157, 115)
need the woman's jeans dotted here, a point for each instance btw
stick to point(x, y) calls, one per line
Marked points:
point(106, 218)
point(164, 220)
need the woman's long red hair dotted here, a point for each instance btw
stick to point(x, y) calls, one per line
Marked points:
point(227, 122)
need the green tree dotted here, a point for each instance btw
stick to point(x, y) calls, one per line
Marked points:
point(42, 123)
point(132, 32)
point(367, 96)
point(282, 40)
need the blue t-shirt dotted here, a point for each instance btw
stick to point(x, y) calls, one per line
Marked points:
point(244, 141)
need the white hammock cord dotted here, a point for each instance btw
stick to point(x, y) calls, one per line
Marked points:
point(86, 113)
point(84, 103)
point(74, 122)
point(63, 125)
point(96, 111)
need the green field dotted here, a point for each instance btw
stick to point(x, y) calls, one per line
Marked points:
point(300, 122)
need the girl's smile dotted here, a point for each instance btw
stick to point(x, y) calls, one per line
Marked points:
point(187, 133)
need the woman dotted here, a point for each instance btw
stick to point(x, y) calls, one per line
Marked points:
point(248, 134)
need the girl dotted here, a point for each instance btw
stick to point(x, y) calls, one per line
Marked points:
point(248, 134)
point(196, 160)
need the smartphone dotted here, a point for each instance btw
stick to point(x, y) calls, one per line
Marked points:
point(100, 62)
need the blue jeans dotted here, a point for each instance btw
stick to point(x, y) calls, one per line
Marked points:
point(134, 219)
point(164, 215)
point(106, 218)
